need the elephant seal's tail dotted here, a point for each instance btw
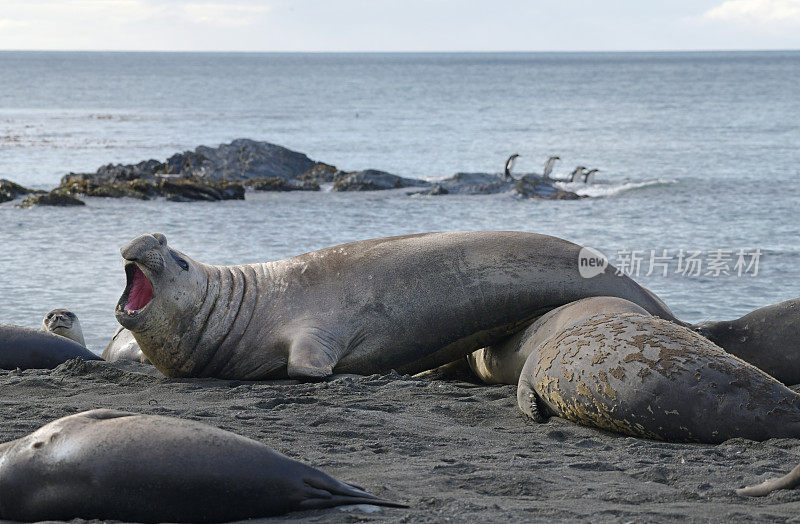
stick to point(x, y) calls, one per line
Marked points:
point(331, 492)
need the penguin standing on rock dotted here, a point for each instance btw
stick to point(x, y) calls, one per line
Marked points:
point(510, 166)
point(577, 172)
point(548, 166)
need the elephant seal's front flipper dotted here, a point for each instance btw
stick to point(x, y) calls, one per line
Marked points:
point(789, 481)
point(312, 356)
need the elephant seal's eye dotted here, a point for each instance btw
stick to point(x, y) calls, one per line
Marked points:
point(178, 260)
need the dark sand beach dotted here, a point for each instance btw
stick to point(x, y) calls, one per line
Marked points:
point(453, 451)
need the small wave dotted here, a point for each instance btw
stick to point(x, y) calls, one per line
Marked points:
point(606, 189)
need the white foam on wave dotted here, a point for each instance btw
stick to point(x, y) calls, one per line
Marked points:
point(606, 188)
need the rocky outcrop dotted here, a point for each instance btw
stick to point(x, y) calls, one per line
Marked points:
point(223, 172)
point(206, 173)
point(173, 189)
point(190, 190)
point(531, 186)
point(9, 190)
point(320, 173)
point(240, 160)
point(436, 190)
point(279, 184)
point(373, 180)
point(53, 198)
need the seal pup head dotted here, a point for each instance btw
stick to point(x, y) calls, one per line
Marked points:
point(164, 288)
point(65, 323)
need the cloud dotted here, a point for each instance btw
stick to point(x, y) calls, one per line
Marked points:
point(221, 14)
point(763, 14)
point(8, 23)
point(237, 13)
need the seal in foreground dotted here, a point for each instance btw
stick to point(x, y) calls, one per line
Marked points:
point(409, 303)
point(105, 464)
point(26, 348)
point(642, 376)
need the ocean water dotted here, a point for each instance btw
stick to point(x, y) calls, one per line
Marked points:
point(697, 152)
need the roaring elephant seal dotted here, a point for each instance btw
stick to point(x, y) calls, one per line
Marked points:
point(502, 363)
point(646, 377)
point(768, 338)
point(26, 348)
point(409, 303)
point(123, 347)
point(65, 323)
point(106, 464)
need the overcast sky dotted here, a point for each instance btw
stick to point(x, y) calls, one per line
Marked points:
point(399, 25)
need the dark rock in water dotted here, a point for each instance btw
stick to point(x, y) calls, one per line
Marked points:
point(240, 160)
point(111, 190)
point(173, 188)
point(529, 186)
point(10, 190)
point(229, 190)
point(217, 173)
point(373, 180)
point(476, 184)
point(436, 190)
point(112, 173)
point(178, 190)
point(143, 187)
point(53, 198)
point(532, 186)
point(279, 184)
point(320, 173)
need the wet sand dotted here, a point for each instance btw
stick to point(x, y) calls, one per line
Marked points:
point(452, 450)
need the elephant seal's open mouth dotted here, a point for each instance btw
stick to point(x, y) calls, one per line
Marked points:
point(138, 291)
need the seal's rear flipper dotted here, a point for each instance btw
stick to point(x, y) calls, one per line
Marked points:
point(529, 402)
point(326, 492)
point(788, 481)
point(312, 357)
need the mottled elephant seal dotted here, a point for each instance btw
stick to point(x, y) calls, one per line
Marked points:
point(502, 363)
point(105, 464)
point(123, 347)
point(768, 338)
point(409, 303)
point(65, 323)
point(646, 377)
point(26, 348)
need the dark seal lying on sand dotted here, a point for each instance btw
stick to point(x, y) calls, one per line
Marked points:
point(107, 464)
point(26, 348)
